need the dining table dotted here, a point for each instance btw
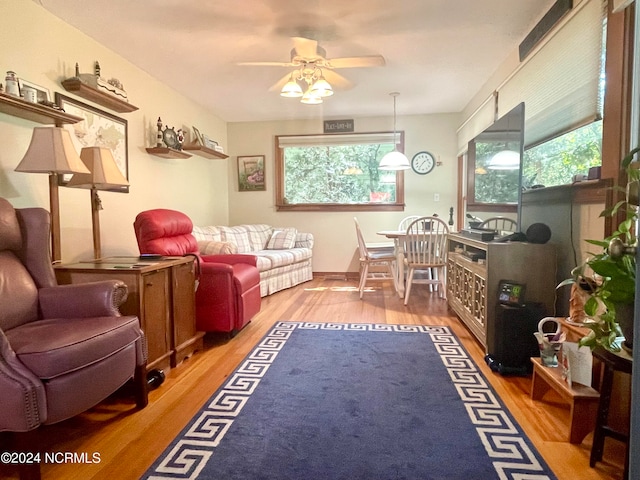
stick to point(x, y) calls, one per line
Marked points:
point(398, 242)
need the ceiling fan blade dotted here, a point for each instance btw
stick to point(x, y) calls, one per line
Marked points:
point(276, 87)
point(305, 47)
point(268, 64)
point(356, 62)
point(336, 80)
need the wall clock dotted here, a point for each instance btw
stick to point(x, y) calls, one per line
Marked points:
point(422, 163)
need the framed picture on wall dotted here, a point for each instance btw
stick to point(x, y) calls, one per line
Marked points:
point(251, 173)
point(97, 129)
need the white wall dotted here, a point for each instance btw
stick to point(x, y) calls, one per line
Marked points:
point(335, 238)
point(42, 49)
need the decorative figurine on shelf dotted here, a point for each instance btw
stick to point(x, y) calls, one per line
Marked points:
point(180, 137)
point(112, 87)
point(159, 141)
point(451, 216)
point(11, 84)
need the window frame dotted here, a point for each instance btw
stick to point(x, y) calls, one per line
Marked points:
point(281, 206)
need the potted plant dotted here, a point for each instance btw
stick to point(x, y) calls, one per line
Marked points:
point(608, 277)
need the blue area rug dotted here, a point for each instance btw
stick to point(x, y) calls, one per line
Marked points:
point(319, 401)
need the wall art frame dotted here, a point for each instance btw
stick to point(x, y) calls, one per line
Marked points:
point(251, 177)
point(42, 93)
point(97, 129)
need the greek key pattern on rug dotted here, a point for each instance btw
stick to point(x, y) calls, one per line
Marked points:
point(512, 456)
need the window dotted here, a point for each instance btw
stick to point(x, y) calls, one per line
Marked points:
point(557, 161)
point(337, 172)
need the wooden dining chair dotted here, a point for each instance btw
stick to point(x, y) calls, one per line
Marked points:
point(406, 221)
point(372, 257)
point(500, 224)
point(426, 250)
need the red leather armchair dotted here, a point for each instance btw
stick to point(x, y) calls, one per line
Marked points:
point(63, 348)
point(228, 295)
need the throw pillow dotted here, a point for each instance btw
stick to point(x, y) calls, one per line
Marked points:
point(216, 248)
point(282, 239)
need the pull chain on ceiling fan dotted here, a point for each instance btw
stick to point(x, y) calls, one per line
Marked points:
point(312, 70)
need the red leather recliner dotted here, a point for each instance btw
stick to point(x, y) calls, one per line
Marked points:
point(228, 295)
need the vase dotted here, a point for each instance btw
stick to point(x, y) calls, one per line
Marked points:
point(624, 318)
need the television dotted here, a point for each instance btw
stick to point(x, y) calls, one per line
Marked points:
point(494, 173)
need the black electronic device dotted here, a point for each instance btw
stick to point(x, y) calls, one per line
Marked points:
point(149, 256)
point(511, 293)
point(510, 338)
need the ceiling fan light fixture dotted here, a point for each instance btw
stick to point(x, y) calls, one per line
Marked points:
point(310, 98)
point(291, 89)
point(321, 88)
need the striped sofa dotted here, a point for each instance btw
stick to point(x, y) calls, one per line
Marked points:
point(283, 254)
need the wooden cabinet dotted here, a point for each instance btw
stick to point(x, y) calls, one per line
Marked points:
point(472, 285)
point(161, 294)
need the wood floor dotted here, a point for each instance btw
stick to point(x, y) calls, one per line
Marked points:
point(128, 441)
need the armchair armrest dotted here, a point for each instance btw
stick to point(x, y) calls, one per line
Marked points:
point(23, 402)
point(92, 299)
point(230, 259)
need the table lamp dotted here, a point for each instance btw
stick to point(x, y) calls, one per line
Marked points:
point(51, 151)
point(103, 174)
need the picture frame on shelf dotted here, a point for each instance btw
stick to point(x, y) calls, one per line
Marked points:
point(97, 129)
point(207, 142)
point(251, 177)
point(196, 137)
point(42, 94)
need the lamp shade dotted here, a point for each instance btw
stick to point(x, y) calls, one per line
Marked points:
point(51, 151)
point(504, 160)
point(394, 160)
point(103, 172)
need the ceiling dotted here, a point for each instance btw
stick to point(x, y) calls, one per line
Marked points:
point(438, 53)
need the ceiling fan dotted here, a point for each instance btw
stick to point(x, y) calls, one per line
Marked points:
point(314, 71)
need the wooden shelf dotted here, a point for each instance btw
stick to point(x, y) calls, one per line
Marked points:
point(83, 90)
point(166, 152)
point(204, 151)
point(34, 111)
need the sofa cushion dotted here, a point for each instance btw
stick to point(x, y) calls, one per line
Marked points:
point(209, 233)
point(278, 258)
point(259, 235)
point(238, 235)
point(282, 239)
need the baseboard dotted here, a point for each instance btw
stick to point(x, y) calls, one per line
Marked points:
point(337, 275)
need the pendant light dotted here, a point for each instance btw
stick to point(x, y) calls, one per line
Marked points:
point(394, 160)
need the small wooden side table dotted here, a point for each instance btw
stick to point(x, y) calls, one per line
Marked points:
point(612, 362)
point(161, 295)
point(582, 399)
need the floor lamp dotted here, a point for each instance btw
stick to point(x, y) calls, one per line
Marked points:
point(103, 174)
point(51, 151)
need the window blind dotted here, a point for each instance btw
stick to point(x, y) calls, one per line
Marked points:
point(482, 118)
point(560, 82)
point(337, 139)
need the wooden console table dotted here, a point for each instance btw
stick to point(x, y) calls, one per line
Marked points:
point(161, 295)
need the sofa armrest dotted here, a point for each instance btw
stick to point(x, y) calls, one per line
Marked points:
point(304, 240)
point(80, 300)
point(230, 259)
